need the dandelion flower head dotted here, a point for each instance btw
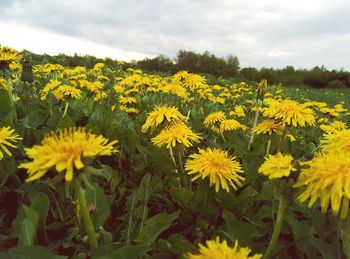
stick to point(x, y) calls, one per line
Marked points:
point(65, 151)
point(277, 166)
point(214, 249)
point(339, 140)
point(327, 177)
point(216, 164)
point(7, 138)
point(290, 112)
point(161, 114)
point(177, 133)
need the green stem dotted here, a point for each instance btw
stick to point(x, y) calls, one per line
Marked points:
point(277, 228)
point(254, 124)
point(282, 139)
point(171, 153)
point(26, 98)
point(268, 146)
point(346, 236)
point(128, 241)
point(65, 109)
point(89, 226)
point(183, 174)
point(222, 136)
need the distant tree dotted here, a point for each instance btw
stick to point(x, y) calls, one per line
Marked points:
point(188, 60)
point(317, 77)
point(207, 63)
point(232, 66)
point(250, 73)
point(160, 63)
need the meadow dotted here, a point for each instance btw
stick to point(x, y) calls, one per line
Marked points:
point(118, 163)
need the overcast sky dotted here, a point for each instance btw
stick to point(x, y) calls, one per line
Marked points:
point(270, 33)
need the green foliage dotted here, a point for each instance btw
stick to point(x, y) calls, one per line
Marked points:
point(140, 202)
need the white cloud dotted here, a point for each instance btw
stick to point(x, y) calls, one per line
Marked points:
point(277, 33)
point(41, 41)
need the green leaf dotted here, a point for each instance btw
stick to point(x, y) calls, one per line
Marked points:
point(179, 245)
point(144, 191)
point(26, 225)
point(181, 195)
point(102, 252)
point(30, 252)
point(128, 252)
point(101, 202)
point(327, 250)
point(41, 204)
point(302, 233)
point(65, 122)
point(29, 226)
point(27, 232)
point(155, 226)
point(238, 230)
point(35, 118)
point(6, 107)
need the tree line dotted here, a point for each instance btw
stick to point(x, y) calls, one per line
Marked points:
point(209, 64)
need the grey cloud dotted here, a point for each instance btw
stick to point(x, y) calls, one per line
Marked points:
point(260, 33)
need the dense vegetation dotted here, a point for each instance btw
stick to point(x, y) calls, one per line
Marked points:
point(209, 64)
point(103, 161)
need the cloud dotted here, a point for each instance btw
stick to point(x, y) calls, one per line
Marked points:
point(42, 41)
point(303, 33)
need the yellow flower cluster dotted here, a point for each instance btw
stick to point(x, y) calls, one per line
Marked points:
point(215, 249)
point(217, 165)
point(7, 138)
point(65, 151)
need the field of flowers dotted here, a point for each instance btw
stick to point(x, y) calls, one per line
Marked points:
point(102, 163)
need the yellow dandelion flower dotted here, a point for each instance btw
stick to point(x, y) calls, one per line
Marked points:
point(215, 249)
point(194, 81)
point(127, 100)
point(238, 111)
point(160, 114)
point(65, 151)
point(333, 127)
point(267, 95)
point(91, 86)
point(181, 75)
point(329, 111)
point(7, 138)
point(277, 166)
point(8, 55)
point(217, 99)
point(230, 125)
point(5, 85)
point(316, 104)
point(213, 118)
point(102, 77)
point(340, 108)
point(98, 66)
point(65, 91)
point(221, 168)
point(99, 95)
point(132, 91)
point(118, 88)
point(129, 109)
point(322, 120)
point(338, 141)
point(268, 127)
point(176, 89)
point(290, 112)
point(327, 177)
point(49, 86)
point(177, 133)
